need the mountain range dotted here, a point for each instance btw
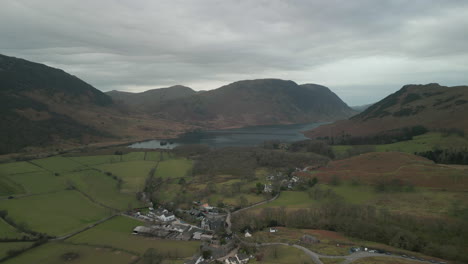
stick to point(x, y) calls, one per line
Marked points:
point(242, 103)
point(48, 108)
point(45, 107)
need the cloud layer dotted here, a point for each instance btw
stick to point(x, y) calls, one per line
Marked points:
point(362, 50)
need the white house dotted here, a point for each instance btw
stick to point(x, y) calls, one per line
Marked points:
point(273, 230)
point(197, 235)
point(164, 215)
point(247, 234)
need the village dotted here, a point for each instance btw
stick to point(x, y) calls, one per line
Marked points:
point(212, 228)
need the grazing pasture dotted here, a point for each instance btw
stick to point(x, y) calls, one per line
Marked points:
point(62, 253)
point(5, 247)
point(96, 160)
point(8, 231)
point(174, 168)
point(17, 168)
point(133, 173)
point(56, 213)
point(40, 182)
point(58, 164)
point(102, 188)
point(117, 233)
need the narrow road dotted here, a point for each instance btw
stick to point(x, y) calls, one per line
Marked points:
point(316, 256)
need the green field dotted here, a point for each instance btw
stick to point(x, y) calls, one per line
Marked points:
point(103, 189)
point(8, 231)
point(58, 164)
point(132, 156)
point(8, 186)
point(40, 182)
point(133, 173)
point(174, 168)
point(117, 233)
point(96, 160)
point(56, 213)
point(7, 246)
point(9, 171)
point(53, 253)
point(17, 167)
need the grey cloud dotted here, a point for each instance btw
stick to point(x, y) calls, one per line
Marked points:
point(136, 45)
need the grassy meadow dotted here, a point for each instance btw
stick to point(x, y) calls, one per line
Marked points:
point(117, 233)
point(56, 213)
point(9, 232)
point(5, 247)
point(61, 253)
point(133, 173)
point(174, 168)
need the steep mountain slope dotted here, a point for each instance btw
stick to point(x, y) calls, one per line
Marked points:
point(47, 107)
point(430, 105)
point(256, 102)
point(149, 99)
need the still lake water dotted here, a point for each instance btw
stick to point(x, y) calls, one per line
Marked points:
point(246, 136)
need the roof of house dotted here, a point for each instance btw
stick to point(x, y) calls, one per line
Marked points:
point(242, 256)
point(142, 229)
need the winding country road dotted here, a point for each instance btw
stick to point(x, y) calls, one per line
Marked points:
point(316, 256)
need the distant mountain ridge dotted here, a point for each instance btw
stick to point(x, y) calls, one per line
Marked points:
point(151, 97)
point(256, 102)
point(361, 108)
point(431, 105)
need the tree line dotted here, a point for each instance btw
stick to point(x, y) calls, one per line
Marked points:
point(387, 137)
point(435, 237)
point(446, 156)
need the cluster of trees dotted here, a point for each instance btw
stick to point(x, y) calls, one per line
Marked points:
point(191, 150)
point(435, 237)
point(446, 156)
point(314, 146)
point(388, 137)
point(243, 161)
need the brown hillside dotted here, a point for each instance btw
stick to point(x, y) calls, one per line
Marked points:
point(431, 105)
point(372, 168)
point(48, 108)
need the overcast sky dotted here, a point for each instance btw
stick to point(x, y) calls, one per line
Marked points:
point(362, 50)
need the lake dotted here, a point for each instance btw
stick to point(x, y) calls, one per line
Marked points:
point(246, 136)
